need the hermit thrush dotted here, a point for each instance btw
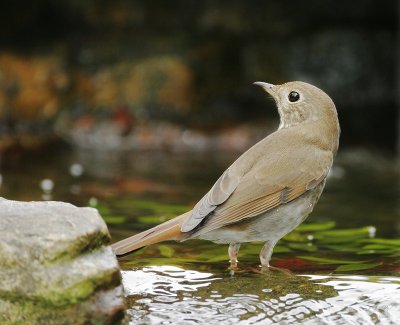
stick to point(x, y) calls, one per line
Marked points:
point(271, 188)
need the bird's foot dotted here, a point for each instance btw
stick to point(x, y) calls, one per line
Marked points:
point(233, 267)
point(233, 263)
point(268, 268)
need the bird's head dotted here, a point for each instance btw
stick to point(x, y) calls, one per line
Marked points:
point(299, 102)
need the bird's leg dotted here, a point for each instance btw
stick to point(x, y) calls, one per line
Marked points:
point(266, 252)
point(265, 256)
point(233, 251)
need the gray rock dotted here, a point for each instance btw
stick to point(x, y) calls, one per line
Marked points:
point(55, 267)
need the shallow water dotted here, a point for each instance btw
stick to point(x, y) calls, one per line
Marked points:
point(173, 295)
point(344, 262)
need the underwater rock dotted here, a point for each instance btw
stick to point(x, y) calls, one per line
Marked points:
point(55, 267)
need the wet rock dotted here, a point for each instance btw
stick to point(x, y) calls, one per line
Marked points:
point(55, 267)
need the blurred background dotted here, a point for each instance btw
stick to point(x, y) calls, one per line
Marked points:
point(83, 70)
point(154, 99)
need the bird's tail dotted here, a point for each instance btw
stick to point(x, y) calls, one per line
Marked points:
point(169, 230)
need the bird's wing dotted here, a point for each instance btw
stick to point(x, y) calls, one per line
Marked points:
point(218, 194)
point(226, 184)
point(271, 182)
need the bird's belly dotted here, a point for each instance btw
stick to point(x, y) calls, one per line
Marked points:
point(271, 225)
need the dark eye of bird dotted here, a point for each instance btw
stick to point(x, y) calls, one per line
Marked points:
point(294, 96)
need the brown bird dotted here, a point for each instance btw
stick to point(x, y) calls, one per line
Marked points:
point(271, 188)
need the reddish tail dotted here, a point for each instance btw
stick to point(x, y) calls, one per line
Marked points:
point(169, 230)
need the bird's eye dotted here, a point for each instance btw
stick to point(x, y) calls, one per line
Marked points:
point(294, 96)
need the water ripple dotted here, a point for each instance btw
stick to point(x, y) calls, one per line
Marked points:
point(171, 295)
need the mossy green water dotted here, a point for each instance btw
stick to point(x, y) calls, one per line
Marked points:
point(345, 250)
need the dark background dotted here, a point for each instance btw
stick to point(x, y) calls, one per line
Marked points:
point(192, 63)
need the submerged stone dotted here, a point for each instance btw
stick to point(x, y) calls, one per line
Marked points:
point(55, 267)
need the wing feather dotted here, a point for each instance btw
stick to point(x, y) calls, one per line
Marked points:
point(218, 194)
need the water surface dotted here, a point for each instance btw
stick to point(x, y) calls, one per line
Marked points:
point(344, 261)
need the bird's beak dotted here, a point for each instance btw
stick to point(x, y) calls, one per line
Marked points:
point(266, 86)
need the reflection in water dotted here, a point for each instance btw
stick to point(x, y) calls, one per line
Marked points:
point(171, 295)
